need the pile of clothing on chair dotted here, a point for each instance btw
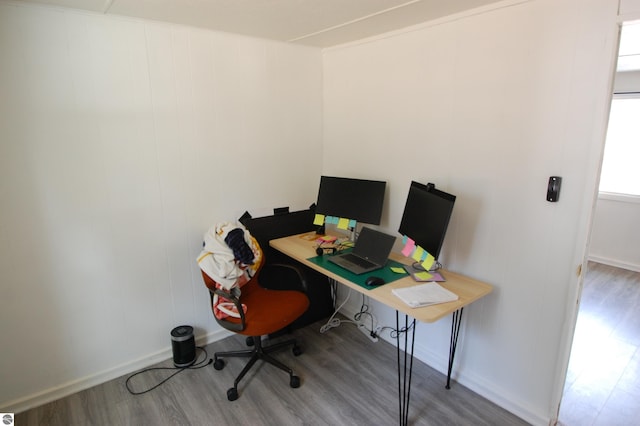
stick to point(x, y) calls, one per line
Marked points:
point(230, 256)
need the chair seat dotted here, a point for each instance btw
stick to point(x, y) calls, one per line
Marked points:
point(269, 310)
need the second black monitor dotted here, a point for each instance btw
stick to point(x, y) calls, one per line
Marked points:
point(357, 199)
point(426, 216)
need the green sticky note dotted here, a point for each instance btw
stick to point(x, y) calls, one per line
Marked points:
point(319, 219)
point(398, 270)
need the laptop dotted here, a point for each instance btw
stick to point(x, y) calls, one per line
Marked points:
point(370, 252)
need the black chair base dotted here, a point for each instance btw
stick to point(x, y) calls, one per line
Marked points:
point(258, 353)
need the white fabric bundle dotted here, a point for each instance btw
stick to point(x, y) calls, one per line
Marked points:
point(217, 260)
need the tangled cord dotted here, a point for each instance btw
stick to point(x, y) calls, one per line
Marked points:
point(335, 322)
point(394, 332)
point(194, 366)
point(364, 310)
point(358, 317)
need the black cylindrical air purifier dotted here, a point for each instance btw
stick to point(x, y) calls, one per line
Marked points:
point(184, 346)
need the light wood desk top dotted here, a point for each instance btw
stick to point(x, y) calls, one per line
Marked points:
point(301, 247)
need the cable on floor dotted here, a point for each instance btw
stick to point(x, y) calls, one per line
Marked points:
point(194, 366)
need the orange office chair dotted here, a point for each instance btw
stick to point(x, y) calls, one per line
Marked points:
point(262, 312)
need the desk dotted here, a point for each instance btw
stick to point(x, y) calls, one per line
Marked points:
point(302, 247)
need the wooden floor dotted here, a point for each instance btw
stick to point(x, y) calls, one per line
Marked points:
point(603, 383)
point(346, 380)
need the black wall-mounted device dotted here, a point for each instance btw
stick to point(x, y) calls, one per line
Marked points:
point(553, 188)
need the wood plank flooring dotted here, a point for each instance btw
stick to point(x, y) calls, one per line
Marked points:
point(603, 382)
point(346, 380)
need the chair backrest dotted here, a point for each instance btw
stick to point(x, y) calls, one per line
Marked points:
point(267, 228)
point(218, 295)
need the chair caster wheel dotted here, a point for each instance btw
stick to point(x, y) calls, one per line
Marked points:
point(249, 341)
point(232, 394)
point(294, 382)
point(297, 350)
point(218, 364)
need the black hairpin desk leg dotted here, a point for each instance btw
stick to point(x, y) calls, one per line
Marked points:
point(455, 330)
point(404, 370)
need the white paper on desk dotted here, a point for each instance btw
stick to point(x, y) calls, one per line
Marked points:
point(421, 295)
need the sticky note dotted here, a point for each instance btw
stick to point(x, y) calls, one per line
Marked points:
point(423, 276)
point(352, 223)
point(408, 248)
point(398, 270)
point(319, 219)
point(343, 223)
point(428, 262)
point(417, 254)
point(424, 256)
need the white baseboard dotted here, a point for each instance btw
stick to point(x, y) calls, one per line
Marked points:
point(69, 388)
point(477, 384)
point(616, 263)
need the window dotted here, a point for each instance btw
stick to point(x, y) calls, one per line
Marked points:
point(620, 171)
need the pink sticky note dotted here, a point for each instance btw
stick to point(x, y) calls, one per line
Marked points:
point(408, 248)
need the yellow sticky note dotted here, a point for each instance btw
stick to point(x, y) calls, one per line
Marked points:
point(417, 254)
point(343, 223)
point(423, 276)
point(428, 262)
point(398, 270)
point(319, 219)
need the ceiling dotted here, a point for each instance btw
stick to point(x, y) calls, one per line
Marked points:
point(320, 23)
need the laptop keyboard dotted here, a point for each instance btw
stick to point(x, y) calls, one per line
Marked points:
point(358, 261)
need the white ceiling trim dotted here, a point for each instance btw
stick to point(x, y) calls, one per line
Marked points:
point(434, 22)
point(107, 6)
point(353, 21)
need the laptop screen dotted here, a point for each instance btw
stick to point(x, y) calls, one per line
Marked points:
point(374, 246)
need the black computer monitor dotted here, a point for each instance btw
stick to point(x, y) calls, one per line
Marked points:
point(426, 216)
point(357, 199)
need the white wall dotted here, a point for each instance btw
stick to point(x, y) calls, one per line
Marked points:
point(628, 81)
point(122, 141)
point(630, 9)
point(615, 238)
point(487, 106)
